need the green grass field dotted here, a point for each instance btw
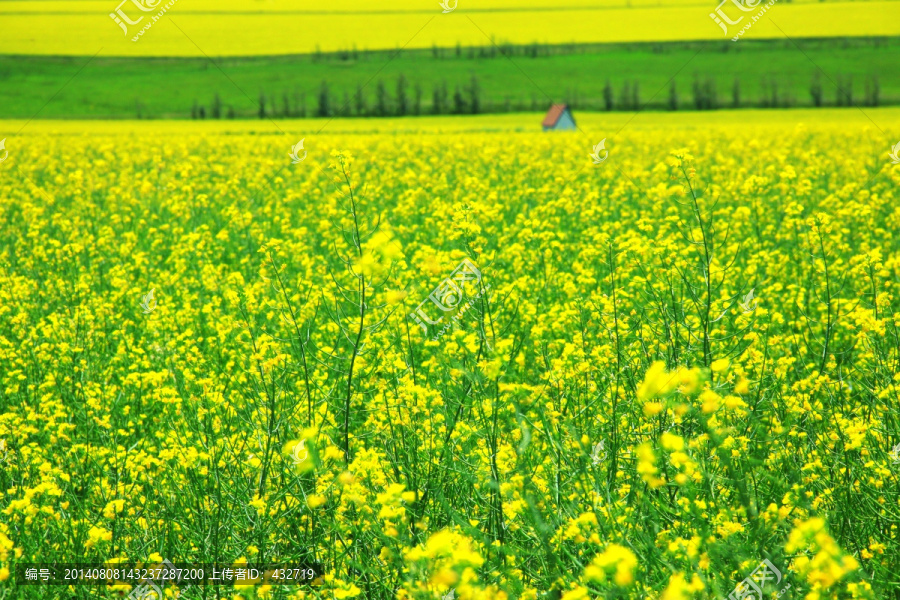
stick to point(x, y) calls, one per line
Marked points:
point(773, 73)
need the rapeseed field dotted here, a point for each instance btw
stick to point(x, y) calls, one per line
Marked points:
point(470, 365)
point(83, 28)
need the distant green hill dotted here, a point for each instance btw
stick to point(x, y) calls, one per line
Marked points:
point(705, 75)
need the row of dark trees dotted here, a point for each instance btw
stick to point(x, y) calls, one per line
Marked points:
point(502, 50)
point(493, 50)
point(773, 95)
point(405, 99)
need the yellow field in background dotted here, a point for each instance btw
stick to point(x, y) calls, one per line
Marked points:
point(360, 7)
point(198, 27)
point(517, 122)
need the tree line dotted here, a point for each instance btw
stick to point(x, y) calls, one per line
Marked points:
point(411, 99)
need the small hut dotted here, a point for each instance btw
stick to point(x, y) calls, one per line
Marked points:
point(559, 118)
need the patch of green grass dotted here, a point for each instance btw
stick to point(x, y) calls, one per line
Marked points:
point(767, 74)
